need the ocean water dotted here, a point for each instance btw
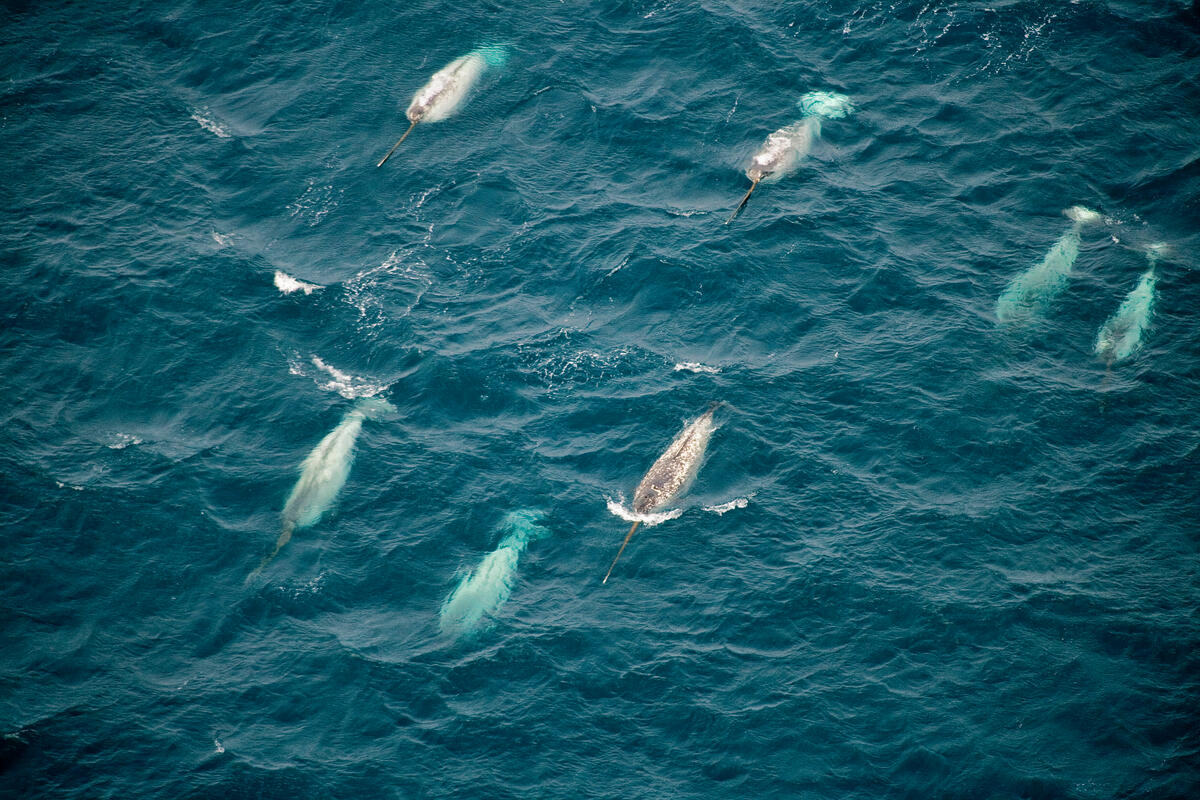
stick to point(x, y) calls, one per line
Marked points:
point(928, 555)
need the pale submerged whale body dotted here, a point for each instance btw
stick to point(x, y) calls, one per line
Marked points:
point(449, 86)
point(1034, 289)
point(783, 149)
point(323, 473)
point(481, 592)
point(1121, 335)
point(672, 474)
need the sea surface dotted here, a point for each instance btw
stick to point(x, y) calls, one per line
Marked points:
point(928, 555)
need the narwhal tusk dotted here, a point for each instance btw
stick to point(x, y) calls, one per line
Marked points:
point(284, 537)
point(628, 536)
point(1104, 383)
point(742, 204)
point(397, 144)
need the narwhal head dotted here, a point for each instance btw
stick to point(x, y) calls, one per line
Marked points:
point(756, 173)
point(1156, 251)
point(495, 55)
point(375, 408)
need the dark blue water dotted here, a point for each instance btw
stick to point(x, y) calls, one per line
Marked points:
point(928, 555)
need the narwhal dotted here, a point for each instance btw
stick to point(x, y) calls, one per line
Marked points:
point(671, 474)
point(323, 473)
point(481, 593)
point(1036, 287)
point(1121, 335)
point(784, 148)
point(446, 90)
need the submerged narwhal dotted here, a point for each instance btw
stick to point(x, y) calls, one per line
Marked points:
point(671, 474)
point(481, 592)
point(1121, 335)
point(784, 148)
point(324, 473)
point(449, 86)
point(1034, 289)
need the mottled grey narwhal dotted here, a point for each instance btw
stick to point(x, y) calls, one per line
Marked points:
point(446, 90)
point(1122, 333)
point(323, 474)
point(671, 474)
point(783, 149)
point(1034, 289)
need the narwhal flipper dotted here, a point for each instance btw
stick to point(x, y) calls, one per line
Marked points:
point(397, 144)
point(628, 536)
point(742, 204)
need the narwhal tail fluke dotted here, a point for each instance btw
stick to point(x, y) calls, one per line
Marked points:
point(628, 536)
point(284, 536)
point(383, 160)
point(742, 204)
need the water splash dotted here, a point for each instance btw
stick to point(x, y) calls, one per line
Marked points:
point(649, 520)
point(829, 105)
point(696, 366)
point(211, 125)
point(722, 508)
point(332, 379)
point(287, 284)
point(347, 385)
point(119, 441)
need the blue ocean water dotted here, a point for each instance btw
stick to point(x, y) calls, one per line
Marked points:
point(928, 555)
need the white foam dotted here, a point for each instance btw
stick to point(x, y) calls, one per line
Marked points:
point(830, 105)
point(287, 284)
point(729, 116)
point(649, 520)
point(211, 125)
point(316, 202)
point(620, 266)
point(721, 508)
point(348, 386)
point(119, 441)
point(222, 239)
point(365, 290)
point(696, 366)
point(1083, 215)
